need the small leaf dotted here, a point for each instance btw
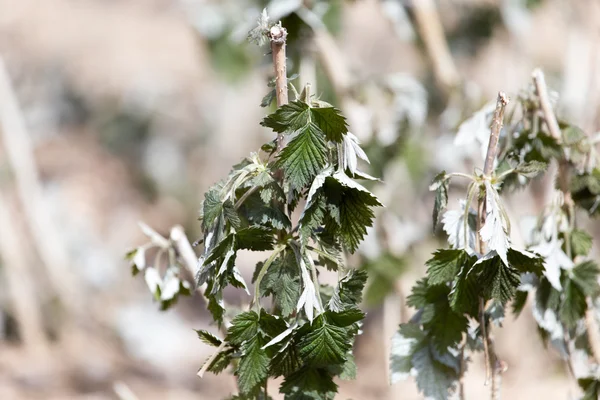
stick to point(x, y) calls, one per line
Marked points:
point(243, 327)
point(525, 261)
point(288, 118)
point(573, 305)
point(531, 169)
point(581, 242)
point(208, 338)
point(345, 318)
point(494, 232)
point(440, 185)
point(499, 281)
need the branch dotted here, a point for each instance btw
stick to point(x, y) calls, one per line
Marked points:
point(491, 359)
point(44, 230)
point(432, 33)
point(277, 36)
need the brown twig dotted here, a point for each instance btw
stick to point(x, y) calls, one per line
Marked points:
point(491, 360)
point(278, 36)
point(45, 231)
point(432, 33)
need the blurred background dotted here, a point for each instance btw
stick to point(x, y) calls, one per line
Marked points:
point(119, 111)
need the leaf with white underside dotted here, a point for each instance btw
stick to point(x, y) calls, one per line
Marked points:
point(308, 299)
point(351, 152)
point(453, 224)
point(494, 232)
point(555, 259)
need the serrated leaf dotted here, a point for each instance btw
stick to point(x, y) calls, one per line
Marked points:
point(525, 261)
point(286, 361)
point(253, 367)
point(350, 152)
point(499, 281)
point(454, 225)
point(243, 327)
point(404, 342)
point(325, 344)
point(212, 207)
point(216, 308)
point(348, 291)
point(330, 121)
point(288, 118)
point(304, 156)
point(255, 238)
point(464, 296)
point(434, 380)
point(444, 265)
point(591, 388)
point(572, 135)
point(220, 362)
point(209, 338)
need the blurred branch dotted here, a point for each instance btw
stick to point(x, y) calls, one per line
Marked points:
point(430, 27)
point(20, 281)
point(45, 232)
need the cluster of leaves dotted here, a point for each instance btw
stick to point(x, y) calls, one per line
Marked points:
point(307, 335)
point(568, 289)
point(432, 346)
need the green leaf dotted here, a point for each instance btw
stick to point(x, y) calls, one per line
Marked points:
point(253, 368)
point(304, 156)
point(464, 296)
point(243, 327)
point(271, 325)
point(255, 238)
point(440, 185)
point(308, 384)
point(215, 306)
point(331, 122)
point(286, 361)
point(220, 362)
point(324, 344)
point(591, 387)
point(208, 338)
point(581, 242)
point(404, 342)
point(531, 169)
point(288, 118)
point(283, 280)
point(348, 291)
point(349, 369)
point(345, 318)
point(212, 207)
point(572, 135)
point(353, 206)
point(524, 261)
point(445, 264)
point(418, 296)
point(585, 275)
point(434, 380)
point(499, 281)
point(519, 302)
point(573, 305)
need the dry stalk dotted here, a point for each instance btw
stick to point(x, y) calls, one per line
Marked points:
point(432, 33)
point(493, 366)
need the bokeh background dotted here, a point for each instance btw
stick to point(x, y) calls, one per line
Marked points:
point(119, 111)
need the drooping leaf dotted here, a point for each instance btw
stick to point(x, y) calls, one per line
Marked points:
point(464, 296)
point(344, 318)
point(499, 281)
point(348, 291)
point(220, 362)
point(585, 275)
point(519, 302)
point(404, 342)
point(255, 238)
point(309, 384)
point(440, 185)
point(573, 305)
point(253, 367)
point(434, 379)
point(525, 261)
point(494, 232)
